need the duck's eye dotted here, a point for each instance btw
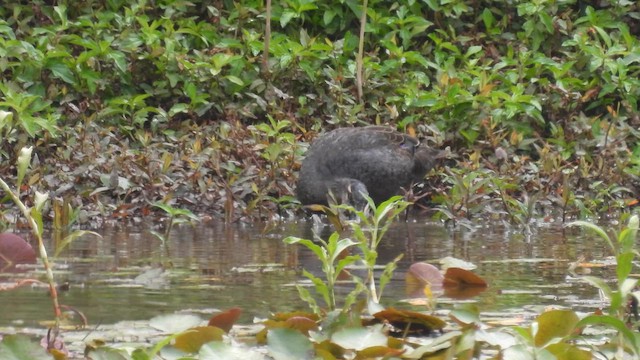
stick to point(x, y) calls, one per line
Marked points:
point(408, 146)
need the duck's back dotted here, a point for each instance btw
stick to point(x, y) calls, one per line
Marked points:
point(381, 158)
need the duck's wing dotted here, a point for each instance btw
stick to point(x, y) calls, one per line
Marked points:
point(374, 137)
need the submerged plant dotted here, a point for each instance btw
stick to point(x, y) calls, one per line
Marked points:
point(176, 216)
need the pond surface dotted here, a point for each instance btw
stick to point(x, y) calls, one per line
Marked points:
point(218, 266)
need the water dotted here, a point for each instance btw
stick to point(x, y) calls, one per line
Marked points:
point(217, 266)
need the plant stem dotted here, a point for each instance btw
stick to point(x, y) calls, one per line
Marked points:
point(267, 40)
point(359, 59)
point(42, 251)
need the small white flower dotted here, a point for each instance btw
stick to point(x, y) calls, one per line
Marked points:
point(25, 156)
point(40, 200)
point(24, 159)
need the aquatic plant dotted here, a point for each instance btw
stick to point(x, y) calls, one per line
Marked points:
point(618, 317)
point(33, 216)
point(374, 221)
point(176, 216)
point(332, 256)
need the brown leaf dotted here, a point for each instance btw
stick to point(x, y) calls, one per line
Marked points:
point(463, 292)
point(375, 352)
point(301, 323)
point(414, 321)
point(225, 319)
point(288, 315)
point(462, 278)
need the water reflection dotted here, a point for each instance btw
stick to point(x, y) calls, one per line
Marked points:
point(220, 266)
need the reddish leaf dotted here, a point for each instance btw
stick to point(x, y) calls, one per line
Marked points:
point(14, 250)
point(462, 278)
point(424, 273)
point(225, 319)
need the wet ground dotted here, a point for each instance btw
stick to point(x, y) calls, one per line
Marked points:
point(217, 266)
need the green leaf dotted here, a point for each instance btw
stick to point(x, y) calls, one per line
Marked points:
point(61, 71)
point(547, 21)
point(488, 19)
point(473, 50)
point(624, 265)
point(286, 17)
point(600, 284)
point(328, 16)
point(120, 60)
point(289, 344)
point(191, 341)
point(178, 108)
point(174, 323)
point(20, 347)
point(566, 351)
point(218, 350)
point(234, 79)
point(595, 228)
point(613, 323)
point(317, 250)
point(61, 11)
point(555, 324)
point(37, 218)
point(306, 296)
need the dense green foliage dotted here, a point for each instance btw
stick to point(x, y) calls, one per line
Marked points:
point(174, 91)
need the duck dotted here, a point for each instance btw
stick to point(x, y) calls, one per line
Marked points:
point(347, 164)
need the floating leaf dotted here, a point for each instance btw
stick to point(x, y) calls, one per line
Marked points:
point(443, 341)
point(302, 324)
point(107, 353)
point(218, 350)
point(375, 352)
point(288, 344)
point(192, 340)
point(225, 319)
point(20, 347)
point(463, 292)
point(451, 262)
point(466, 314)
point(174, 323)
point(424, 273)
point(360, 338)
point(461, 278)
point(414, 321)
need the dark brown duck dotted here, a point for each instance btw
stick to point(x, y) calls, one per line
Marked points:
point(373, 160)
